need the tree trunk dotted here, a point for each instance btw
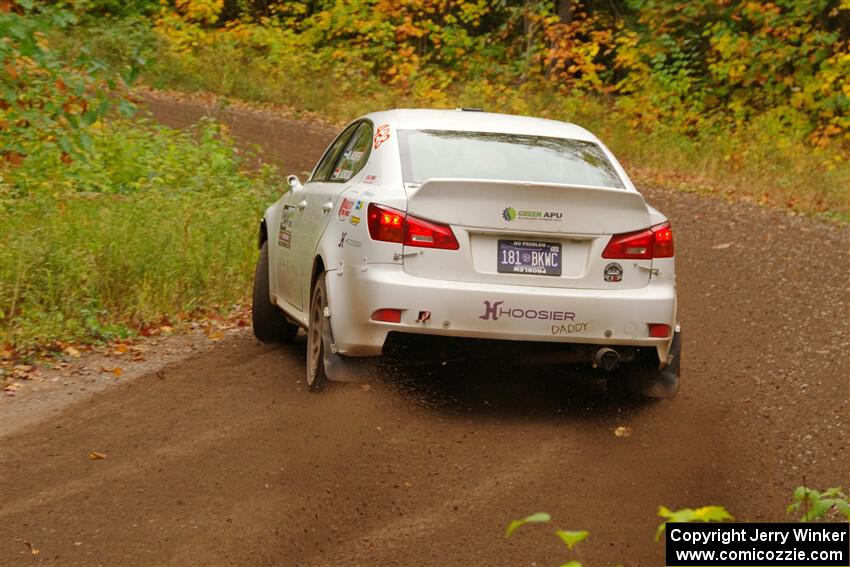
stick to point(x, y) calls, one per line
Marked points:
point(566, 10)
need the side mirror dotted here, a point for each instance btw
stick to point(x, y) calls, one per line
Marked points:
point(294, 183)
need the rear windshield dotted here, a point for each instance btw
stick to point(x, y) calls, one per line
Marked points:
point(426, 154)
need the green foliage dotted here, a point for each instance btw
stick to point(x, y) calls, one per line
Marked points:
point(704, 64)
point(47, 100)
point(115, 8)
point(541, 517)
point(156, 222)
point(813, 503)
point(816, 505)
point(704, 514)
point(736, 98)
point(723, 64)
point(569, 537)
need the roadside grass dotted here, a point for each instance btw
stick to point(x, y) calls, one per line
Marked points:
point(765, 162)
point(153, 224)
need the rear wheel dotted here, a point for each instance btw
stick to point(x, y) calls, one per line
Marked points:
point(316, 376)
point(270, 324)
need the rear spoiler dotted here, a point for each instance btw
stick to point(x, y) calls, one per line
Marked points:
point(538, 207)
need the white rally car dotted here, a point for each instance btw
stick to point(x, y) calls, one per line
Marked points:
point(463, 223)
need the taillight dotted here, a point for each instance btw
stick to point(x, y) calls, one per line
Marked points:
point(385, 224)
point(663, 245)
point(390, 225)
point(655, 242)
point(419, 232)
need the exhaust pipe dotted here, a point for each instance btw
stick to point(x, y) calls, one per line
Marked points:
point(607, 359)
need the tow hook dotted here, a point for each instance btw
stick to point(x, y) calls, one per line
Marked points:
point(398, 256)
point(654, 271)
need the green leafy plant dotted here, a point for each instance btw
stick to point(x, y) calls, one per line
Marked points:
point(47, 100)
point(155, 224)
point(816, 504)
point(735, 98)
point(570, 538)
point(704, 514)
point(539, 518)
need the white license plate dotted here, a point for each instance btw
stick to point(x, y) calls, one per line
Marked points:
point(529, 257)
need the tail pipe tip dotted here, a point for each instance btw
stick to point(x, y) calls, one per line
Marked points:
point(607, 359)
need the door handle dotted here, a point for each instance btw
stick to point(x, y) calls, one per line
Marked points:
point(302, 205)
point(326, 208)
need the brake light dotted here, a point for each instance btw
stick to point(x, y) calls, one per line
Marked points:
point(391, 225)
point(655, 242)
point(385, 224)
point(663, 246)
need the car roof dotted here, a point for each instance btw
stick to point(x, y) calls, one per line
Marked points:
point(477, 121)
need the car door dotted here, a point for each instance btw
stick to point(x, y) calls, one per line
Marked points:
point(285, 276)
point(292, 224)
point(323, 192)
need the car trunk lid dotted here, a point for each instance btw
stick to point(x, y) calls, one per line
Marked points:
point(494, 220)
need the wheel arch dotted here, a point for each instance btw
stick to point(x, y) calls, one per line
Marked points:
point(262, 234)
point(318, 268)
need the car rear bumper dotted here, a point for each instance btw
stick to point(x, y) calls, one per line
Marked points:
point(493, 311)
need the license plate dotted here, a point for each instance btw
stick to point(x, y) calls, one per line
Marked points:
point(529, 257)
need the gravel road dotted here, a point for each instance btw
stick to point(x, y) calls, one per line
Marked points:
point(224, 458)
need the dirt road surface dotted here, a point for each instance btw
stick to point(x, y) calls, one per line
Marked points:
point(225, 459)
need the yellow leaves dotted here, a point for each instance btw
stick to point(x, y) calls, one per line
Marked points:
point(703, 514)
point(97, 456)
point(623, 431)
point(33, 550)
point(408, 29)
point(11, 71)
point(203, 11)
point(23, 371)
point(117, 371)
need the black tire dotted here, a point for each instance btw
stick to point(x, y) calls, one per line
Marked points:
point(316, 375)
point(270, 324)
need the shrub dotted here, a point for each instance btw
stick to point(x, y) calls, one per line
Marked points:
point(154, 222)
